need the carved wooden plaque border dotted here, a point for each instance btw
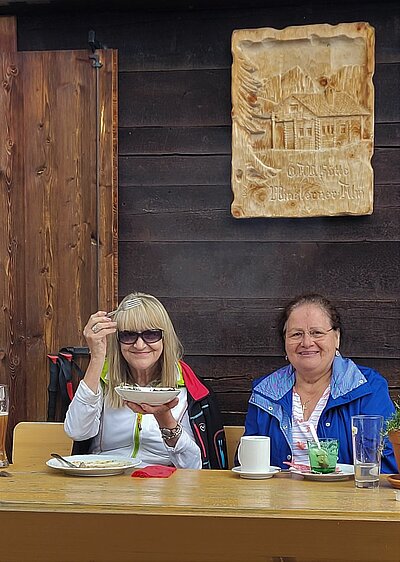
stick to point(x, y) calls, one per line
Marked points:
point(303, 121)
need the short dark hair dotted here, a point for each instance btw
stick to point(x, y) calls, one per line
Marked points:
point(310, 298)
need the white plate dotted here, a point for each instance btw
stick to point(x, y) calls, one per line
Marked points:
point(346, 471)
point(256, 475)
point(147, 395)
point(107, 470)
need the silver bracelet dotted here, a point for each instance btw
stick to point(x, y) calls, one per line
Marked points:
point(173, 433)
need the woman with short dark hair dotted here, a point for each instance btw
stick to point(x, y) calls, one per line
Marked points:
point(318, 387)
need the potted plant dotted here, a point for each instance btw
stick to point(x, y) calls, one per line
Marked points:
point(392, 430)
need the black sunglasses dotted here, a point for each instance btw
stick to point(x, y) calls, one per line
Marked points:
point(148, 336)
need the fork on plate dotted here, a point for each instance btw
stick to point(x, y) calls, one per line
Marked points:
point(67, 462)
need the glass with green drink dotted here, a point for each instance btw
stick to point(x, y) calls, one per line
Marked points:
point(323, 455)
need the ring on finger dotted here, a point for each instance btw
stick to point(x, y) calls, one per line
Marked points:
point(95, 328)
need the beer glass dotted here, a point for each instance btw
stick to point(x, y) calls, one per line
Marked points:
point(4, 405)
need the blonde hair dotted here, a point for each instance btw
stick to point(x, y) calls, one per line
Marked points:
point(149, 313)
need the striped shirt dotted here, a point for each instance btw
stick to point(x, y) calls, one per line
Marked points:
point(301, 429)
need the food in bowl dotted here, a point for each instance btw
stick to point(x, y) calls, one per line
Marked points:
point(153, 396)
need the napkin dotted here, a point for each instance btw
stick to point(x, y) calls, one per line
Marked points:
point(154, 471)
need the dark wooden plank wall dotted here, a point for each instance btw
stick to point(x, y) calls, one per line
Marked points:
point(224, 281)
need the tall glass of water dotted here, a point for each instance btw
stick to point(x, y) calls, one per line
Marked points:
point(367, 449)
point(4, 405)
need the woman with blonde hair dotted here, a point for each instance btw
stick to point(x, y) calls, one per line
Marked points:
point(138, 345)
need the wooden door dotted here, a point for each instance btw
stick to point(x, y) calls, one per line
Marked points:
point(58, 204)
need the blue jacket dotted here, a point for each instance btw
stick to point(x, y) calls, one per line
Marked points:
point(354, 390)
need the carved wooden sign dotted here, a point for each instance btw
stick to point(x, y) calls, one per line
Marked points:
point(303, 121)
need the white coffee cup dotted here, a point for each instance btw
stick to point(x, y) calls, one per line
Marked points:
point(254, 453)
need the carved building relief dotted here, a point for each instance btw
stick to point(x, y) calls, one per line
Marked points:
point(303, 121)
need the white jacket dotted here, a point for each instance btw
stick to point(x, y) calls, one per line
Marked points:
point(114, 429)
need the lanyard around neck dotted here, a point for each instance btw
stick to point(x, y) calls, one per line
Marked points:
point(136, 434)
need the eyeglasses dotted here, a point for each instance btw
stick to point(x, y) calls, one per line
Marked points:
point(298, 335)
point(148, 336)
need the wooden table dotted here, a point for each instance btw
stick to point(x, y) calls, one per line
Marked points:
point(194, 516)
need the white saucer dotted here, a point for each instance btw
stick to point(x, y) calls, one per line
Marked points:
point(256, 475)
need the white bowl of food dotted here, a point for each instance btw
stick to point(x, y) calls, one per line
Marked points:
point(154, 396)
